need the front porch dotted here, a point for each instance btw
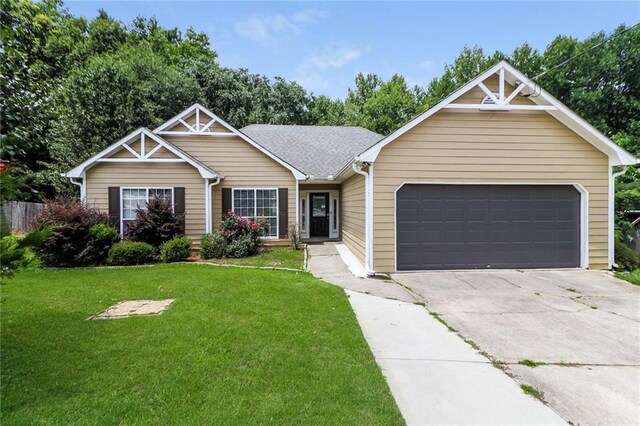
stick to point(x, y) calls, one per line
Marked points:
point(319, 206)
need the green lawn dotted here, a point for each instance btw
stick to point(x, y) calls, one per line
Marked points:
point(277, 257)
point(633, 277)
point(238, 346)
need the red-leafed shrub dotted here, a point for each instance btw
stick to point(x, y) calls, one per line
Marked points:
point(155, 224)
point(237, 237)
point(78, 234)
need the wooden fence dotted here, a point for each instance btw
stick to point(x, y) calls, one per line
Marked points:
point(19, 215)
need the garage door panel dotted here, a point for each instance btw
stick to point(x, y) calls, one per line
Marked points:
point(487, 226)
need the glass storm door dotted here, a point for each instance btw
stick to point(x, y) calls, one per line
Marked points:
point(320, 215)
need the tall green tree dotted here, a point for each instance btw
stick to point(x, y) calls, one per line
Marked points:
point(112, 95)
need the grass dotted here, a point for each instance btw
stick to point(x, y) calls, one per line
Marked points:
point(529, 363)
point(238, 346)
point(472, 344)
point(443, 322)
point(276, 257)
point(530, 390)
point(633, 277)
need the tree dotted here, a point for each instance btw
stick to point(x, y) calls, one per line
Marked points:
point(328, 112)
point(113, 95)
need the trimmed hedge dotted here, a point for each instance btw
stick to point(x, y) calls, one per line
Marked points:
point(127, 253)
point(176, 249)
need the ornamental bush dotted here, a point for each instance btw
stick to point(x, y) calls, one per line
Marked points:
point(127, 253)
point(156, 223)
point(70, 225)
point(237, 237)
point(212, 246)
point(101, 238)
point(176, 249)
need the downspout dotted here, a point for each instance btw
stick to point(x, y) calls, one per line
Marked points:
point(368, 218)
point(82, 189)
point(208, 210)
point(612, 190)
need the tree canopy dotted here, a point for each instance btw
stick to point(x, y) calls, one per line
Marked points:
point(70, 87)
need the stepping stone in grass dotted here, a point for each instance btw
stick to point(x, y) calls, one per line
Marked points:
point(130, 308)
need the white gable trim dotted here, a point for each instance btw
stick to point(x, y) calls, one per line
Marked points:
point(544, 101)
point(79, 171)
point(197, 108)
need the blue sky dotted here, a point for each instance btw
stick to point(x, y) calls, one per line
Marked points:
point(324, 45)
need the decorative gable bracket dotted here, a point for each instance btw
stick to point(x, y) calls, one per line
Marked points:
point(500, 101)
point(196, 120)
point(143, 155)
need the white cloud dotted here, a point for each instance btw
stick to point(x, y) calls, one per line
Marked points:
point(319, 69)
point(427, 65)
point(307, 15)
point(335, 56)
point(265, 28)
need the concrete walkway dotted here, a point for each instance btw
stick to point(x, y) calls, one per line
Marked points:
point(434, 376)
point(324, 262)
point(437, 378)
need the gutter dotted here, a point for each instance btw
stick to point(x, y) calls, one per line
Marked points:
point(368, 216)
point(207, 198)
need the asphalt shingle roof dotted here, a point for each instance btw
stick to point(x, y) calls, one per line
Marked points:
point(318, 151)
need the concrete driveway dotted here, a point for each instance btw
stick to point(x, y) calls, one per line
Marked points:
point(584, 325)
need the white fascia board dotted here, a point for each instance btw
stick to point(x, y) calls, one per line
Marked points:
point(566, 116)
point(296, 173)
point(79, 171)
point(205, 173)
point(617, 155)
point(176, 119)
point(372, 153)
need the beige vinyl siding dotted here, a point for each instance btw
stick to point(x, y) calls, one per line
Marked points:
point(242, 166)
point(474, 146)
point(352, 216)
point(104, 175)
point(319, 187)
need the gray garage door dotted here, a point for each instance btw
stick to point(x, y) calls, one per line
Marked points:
point(487, 226)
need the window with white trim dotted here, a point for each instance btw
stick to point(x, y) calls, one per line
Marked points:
point(136, 198)
point(258, 203)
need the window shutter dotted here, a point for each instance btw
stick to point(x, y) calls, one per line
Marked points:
point(226, 201)
point(283, 212)
point(179, 206)
point(114, 207)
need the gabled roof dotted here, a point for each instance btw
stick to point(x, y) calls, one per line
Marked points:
point(197, 108)
point(79, 171)
point(544, 101)
point(319, 151)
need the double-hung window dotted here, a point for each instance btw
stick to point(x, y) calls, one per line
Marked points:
point(258, 203)
point(137, 198)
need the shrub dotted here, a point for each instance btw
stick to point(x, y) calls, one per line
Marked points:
point(176, 249)
point(625, 257)
point(242, 246)
point(131, 253)
point(101, 238)
point(155, 224)
point(295, 237)
point(237, 237)
point(15, 254)
point(213, 245)
point(70, 223)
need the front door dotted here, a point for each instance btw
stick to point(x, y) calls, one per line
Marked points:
point(320, 215)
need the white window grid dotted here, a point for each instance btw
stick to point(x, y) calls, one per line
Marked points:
point(142, 197)
point(252, 204)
